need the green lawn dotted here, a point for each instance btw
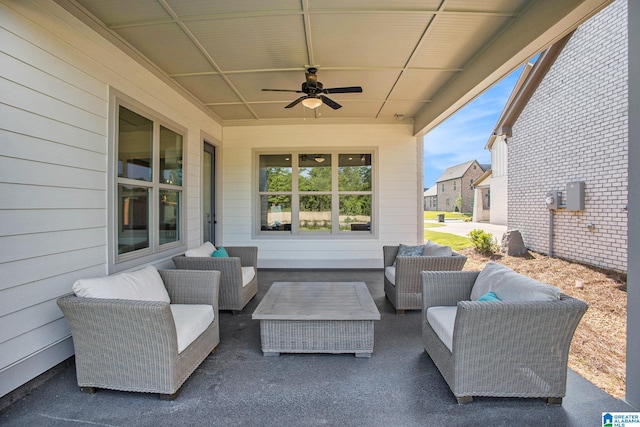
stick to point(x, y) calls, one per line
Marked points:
point(452, 215)
point(456, 242)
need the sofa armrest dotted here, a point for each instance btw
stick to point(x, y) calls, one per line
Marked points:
point(446, 288)
point(192, 286)
point(229, 268)
point(534, 333)
point(389, 254)
point(127, 330)
point(248, 254)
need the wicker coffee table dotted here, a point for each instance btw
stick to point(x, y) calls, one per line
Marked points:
point(317, 317)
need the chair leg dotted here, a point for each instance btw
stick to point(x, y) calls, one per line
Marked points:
point(88, 390)
point(553, 401)
point(215, 350)
point(399, 311)
point(173, 396)
point(464, 399)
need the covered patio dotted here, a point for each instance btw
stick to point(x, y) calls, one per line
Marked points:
point(81, 76)
point(399, 385)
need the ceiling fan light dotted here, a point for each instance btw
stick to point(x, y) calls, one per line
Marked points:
point(312, 103)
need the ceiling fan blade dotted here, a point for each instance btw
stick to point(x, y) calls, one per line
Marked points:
point(350, 89)
point(296, 102)
point(282, 90)
point(331, 103)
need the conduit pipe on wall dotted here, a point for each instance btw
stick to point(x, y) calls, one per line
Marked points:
point(550, 233)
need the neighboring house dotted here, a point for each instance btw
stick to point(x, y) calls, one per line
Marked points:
point(431, 199)
point(571, 116)
point(455, 186)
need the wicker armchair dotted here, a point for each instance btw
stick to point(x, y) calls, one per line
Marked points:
point(405, 289)
point(132, 345)
point(499, 348)
point(233, 295)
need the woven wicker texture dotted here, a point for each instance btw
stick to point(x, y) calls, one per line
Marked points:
point(502, 348)
point(406, 294)
point(233, 296)
point(132, 345)
point(316, 336)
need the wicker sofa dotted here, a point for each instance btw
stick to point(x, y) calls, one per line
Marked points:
point(238, 273)
point(128, 338)
point(497, 333)
point(402, 281)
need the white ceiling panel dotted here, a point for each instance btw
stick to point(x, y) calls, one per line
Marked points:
point(420, 84)
point(453, 40)
point(248, 43)
point(168, 47)
point(208, 88)
point(117, 12)
point(407, 108)
point(403, 53)
point(356, 40)
point(192, 8)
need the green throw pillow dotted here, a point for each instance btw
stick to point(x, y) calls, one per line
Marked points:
point(220, 253)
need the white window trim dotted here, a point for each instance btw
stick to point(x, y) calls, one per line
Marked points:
point(155, 252)
point(335, 233)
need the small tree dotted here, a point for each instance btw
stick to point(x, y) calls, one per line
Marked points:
point(458, 204)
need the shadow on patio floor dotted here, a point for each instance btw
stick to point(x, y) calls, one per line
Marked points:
point(399, 385)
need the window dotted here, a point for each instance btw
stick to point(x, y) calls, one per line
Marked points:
point(443, 186)
point(315, 194)
point(454, 185)
point(148, 186)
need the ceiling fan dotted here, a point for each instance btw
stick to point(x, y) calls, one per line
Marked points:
point(314, 92)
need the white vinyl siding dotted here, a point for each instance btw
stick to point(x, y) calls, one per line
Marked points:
point(398, 202)
point(55, 79)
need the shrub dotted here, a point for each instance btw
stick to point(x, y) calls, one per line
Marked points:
point(484, 242)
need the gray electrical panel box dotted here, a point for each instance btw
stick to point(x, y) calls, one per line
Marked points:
point(575, 196)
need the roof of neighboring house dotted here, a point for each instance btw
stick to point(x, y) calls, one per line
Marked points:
point(457, 171)
point(482, 178)
point(433, 191)
point(525, 87)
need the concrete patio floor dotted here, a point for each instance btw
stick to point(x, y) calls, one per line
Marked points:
point(399, 385)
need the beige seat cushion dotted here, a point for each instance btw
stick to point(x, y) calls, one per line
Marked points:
point(442, 319)
point(248, 273)
point(390, 274)
point(191, 321)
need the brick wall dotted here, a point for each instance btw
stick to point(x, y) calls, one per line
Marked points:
point(575, 129)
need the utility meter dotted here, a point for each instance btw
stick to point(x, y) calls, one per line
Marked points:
point(553, 199)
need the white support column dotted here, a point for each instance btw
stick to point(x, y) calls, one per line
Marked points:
point(633, 251)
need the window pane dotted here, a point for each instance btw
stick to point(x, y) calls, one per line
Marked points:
point(170, 157)
point(133, 208)
point(275, 213)
point(135, 142)
point(314, 172)
point(275, 173)
point(315, 213)
point(354, 172)
point(355, 213)
point(169, 216)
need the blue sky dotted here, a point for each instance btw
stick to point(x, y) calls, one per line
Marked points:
point(462, 137)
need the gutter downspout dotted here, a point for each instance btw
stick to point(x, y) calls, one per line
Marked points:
point(550, 233)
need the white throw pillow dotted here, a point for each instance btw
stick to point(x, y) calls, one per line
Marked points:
point(204, 250)
point(490, 274)
point(248, 273)
point(141, 285)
